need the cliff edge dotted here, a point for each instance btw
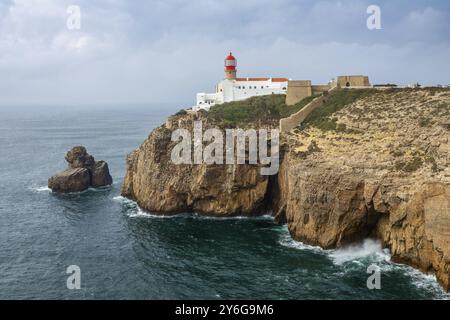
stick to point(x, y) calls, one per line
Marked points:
point(368, 163)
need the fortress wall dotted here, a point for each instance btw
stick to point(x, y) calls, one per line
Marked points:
point(298, 90)
point(287, 124)
point(294, 120)
point(354, 81)
point(318, 89)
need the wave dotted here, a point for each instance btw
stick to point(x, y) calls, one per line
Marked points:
point(424, 281)
point(90, 189)
point(370, 251)
point(205, 217)
point(367, 250)
point(287, 241)
point(41, 189)
point(134, 211)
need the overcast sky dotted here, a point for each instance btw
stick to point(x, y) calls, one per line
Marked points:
point(166, 51)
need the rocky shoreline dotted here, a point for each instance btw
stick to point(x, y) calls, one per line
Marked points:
point(376, 165)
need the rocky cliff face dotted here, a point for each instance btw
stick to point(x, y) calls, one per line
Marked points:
point(159, 185)
point(376, 167)
point(383, 172)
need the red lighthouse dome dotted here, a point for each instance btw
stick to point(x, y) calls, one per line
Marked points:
point(230, 62)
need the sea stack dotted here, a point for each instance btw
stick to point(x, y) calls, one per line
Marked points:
point(83, 172)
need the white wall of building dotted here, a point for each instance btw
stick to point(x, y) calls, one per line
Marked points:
point(236, 90)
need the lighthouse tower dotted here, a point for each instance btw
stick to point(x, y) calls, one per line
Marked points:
point(230, 67)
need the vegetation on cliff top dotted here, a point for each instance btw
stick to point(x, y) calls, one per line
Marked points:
point(321, 117)
point(255, 109)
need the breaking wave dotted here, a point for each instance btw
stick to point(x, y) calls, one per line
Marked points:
point(40, 189)
point(358, 257)
point(134, 211)
point(368, 250)
point(287, 241)
point(90, 189)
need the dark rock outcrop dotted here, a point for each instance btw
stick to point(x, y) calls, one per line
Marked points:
point(100, 175)
point(70, 180)
point(82, 173)
point(78, 157)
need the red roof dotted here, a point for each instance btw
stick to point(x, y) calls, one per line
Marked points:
point(263, 79)
point(230, 57)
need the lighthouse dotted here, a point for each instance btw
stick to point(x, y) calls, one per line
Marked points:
point(236, 89)
point(230, 67)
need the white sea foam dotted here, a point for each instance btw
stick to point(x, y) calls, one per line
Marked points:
point(204, 217)
point(98, 189)
point(423, 281)
point(41, 189)
point(136, 212)
point(369, 249)
point(124, 200)
point(90, 189)
point(287, 241)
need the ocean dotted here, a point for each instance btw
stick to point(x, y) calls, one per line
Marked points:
point(126, 253)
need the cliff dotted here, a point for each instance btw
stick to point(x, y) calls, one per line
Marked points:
point(373, 163)
point(368, 163)
point(159, 185)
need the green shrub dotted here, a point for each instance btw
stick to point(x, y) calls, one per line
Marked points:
point(320, 117)
point(442, 108)
point(413, 165)
point(425, 122)
point(181, 112)
point(341, 127)
point(431, 160)
point(261, 108)
point(397, 153)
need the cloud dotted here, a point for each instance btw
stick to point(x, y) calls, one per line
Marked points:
point(166, 51)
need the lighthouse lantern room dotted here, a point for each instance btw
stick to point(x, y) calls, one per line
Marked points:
point(230, 67)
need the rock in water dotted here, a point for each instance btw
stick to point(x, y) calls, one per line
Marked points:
point(79, 158)
point(82, 173)
point(70, 180)
point(100, 175)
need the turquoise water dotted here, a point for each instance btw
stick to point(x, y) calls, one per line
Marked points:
point(125, 253)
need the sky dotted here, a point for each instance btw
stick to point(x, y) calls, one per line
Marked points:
point(165, 51)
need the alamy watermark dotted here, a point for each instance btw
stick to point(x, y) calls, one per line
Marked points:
point(374, 20)
point(74, 17)
point(74, 280)
point(374, 280)
point(235, 147)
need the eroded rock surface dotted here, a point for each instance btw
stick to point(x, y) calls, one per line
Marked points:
point(82, 172)
point(70, 180)
point(160, 186)
point(379, 167)
point(383, 173)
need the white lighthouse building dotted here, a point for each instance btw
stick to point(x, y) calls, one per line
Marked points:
point(235, 89)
